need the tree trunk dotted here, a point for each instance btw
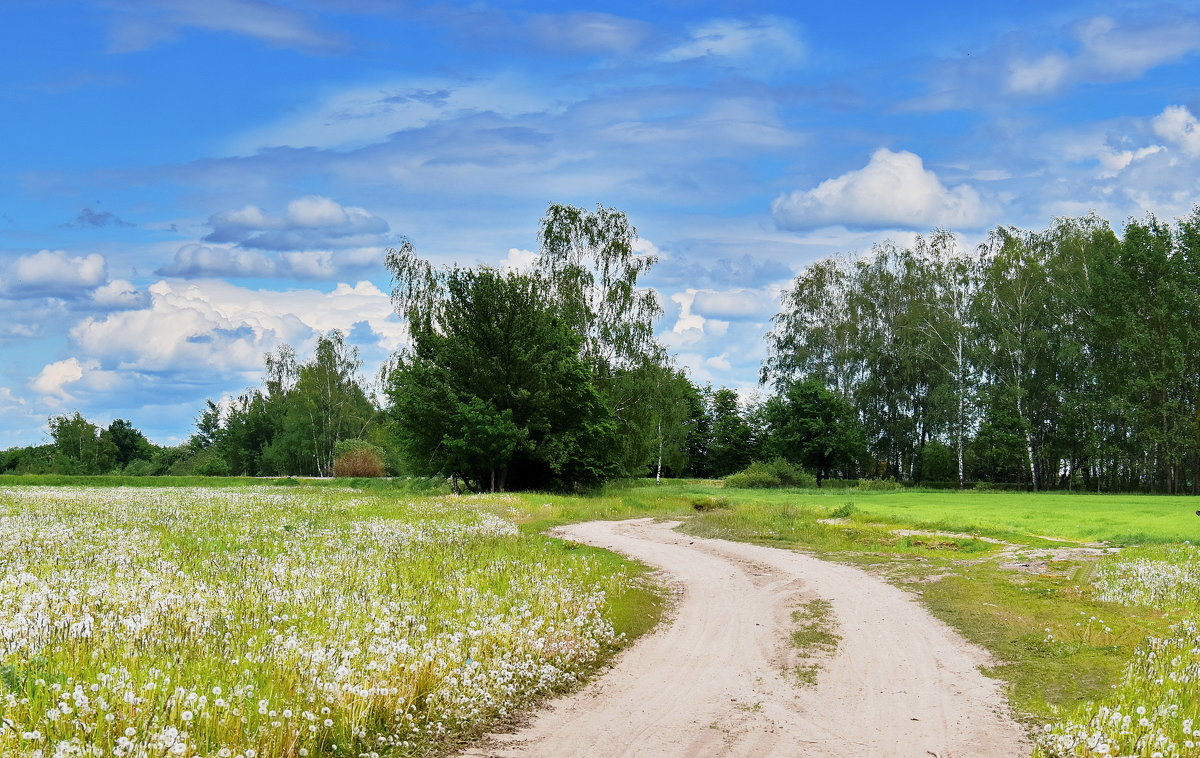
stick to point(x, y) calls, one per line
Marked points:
point(658, 470)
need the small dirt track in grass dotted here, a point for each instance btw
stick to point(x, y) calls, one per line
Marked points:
point(719, 678)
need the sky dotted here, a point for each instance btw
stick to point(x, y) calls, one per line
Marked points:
point(186, 185)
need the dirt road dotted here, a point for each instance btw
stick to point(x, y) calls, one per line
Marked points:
point(719, 679)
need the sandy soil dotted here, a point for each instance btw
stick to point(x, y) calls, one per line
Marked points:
point(719, 679)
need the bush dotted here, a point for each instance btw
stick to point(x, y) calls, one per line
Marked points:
point(791, 475)
point(208, 463)
point(139, 467)
point(755, 476)
point(359, 460)
point(710, 503)
point(777, 473)
point(879, 484)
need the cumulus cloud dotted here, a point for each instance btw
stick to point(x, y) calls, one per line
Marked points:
point(1178, 126)
point(768, 37)
point(194, 261)
point(518, 260)
point(894, 188)
point(119, 294)
point(217, 326)
point(314, 238)
point(54, 378)
point(54, 273)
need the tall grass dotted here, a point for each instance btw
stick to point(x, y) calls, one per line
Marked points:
point(277, 622)
point(1154, 710)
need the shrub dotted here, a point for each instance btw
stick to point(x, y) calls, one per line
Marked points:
point(361, 459)
point(756, 475)
point(776, 473)
point(843, 511)
point(139, 467)
point(208, 463)
point(791, 475)
point(710, 503)
point(879, 484)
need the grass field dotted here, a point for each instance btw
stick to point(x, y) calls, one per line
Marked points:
point(285, 622)
point(113, 594)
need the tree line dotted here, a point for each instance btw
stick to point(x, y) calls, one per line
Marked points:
point(548, 378)
point(1064, 358)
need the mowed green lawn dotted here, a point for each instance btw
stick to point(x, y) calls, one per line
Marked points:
point(1122, 519)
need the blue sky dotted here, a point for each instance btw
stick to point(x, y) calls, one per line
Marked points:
point(186, 184)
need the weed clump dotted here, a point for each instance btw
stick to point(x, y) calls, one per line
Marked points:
point(878, 484)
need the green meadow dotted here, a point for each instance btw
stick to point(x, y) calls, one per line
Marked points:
point(392, 618)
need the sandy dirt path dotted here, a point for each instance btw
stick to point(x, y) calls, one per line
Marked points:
point(718, 679)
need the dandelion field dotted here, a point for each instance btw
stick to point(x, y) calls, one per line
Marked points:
point(248, 623)
point(1154, 709)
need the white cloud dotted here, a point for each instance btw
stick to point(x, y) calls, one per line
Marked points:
point(588, 32)
point(1114, 161)
point(768, 37)
point(359, 116)
point(219, 327)
point(54, 378)
point(143, 24)
point(55, 273)
point(315, 210)
point(195, 260)
point(719, 362)
point(311, 222)
point(1178, 126)
point(9, 400)
point(119, 293)
point(894, 188)
point(1128, 50)
point(518, 260)
point(737, 304)
point(1045, 74)
point(1108, 50)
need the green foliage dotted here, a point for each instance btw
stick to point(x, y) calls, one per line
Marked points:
point(494, 390)
point(1060, 358)
point(878, 484)
point(843, 511)
point(209, 463)
point(139, 467)
point(79, 446)
point(756, 475)
point(813, 426)
point(730, 447)
point(775, 473)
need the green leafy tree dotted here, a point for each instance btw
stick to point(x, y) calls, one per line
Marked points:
point(814, 427)
point(730, 449)
point(494, 390)
point(130, 443)
point(79, 447)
